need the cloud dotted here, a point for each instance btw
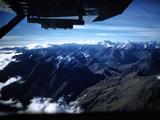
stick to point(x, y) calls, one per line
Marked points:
point(12, 103)
point(103, 34)
point(158, 77)
point(79, 27)
point(145, 32)
point(44, 105)
point(106, 34)
point(6, 58)
point(88, 32)
point(37, 46)
point(117, 28)
point(16, 37)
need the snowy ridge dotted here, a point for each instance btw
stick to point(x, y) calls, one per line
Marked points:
point(9, 81)
point(127, 45)
point(69, 60)
point(106, 43)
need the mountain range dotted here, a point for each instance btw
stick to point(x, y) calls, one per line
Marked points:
point(103, 77)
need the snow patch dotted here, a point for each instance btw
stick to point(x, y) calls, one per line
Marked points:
point(69, 58)
point(85, 54)
point(9, 81)
point(60, 58)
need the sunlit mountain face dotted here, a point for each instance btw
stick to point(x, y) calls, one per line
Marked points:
point(76, 78)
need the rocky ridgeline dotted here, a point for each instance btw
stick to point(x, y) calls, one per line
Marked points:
point(104, 77)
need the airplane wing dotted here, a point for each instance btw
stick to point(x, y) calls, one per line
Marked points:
point(48, 12)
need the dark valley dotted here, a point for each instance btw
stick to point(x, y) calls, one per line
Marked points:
point(104, 77)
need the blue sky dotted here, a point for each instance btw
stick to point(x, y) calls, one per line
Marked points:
point(139, 22)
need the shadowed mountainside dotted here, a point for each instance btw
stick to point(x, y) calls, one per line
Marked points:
point(104, 77)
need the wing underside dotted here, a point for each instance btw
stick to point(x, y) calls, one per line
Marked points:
point(47, 12)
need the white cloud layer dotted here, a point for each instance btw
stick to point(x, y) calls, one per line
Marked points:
point(152, 32)
point(37, 46)
point(6, 58)
point(158, 77)
point(44, 105)
point(12, 103)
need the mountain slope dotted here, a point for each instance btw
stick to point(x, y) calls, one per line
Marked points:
point(104, 77)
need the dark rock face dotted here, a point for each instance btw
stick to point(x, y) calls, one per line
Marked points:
point(128, 93)
point(50, 77)
point(17, 68)
point(115, 78)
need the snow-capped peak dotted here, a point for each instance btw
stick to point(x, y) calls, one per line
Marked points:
point(85, 54)
point(69, 58)
point(107, 43)
point(60, 57)
point(127, 45)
